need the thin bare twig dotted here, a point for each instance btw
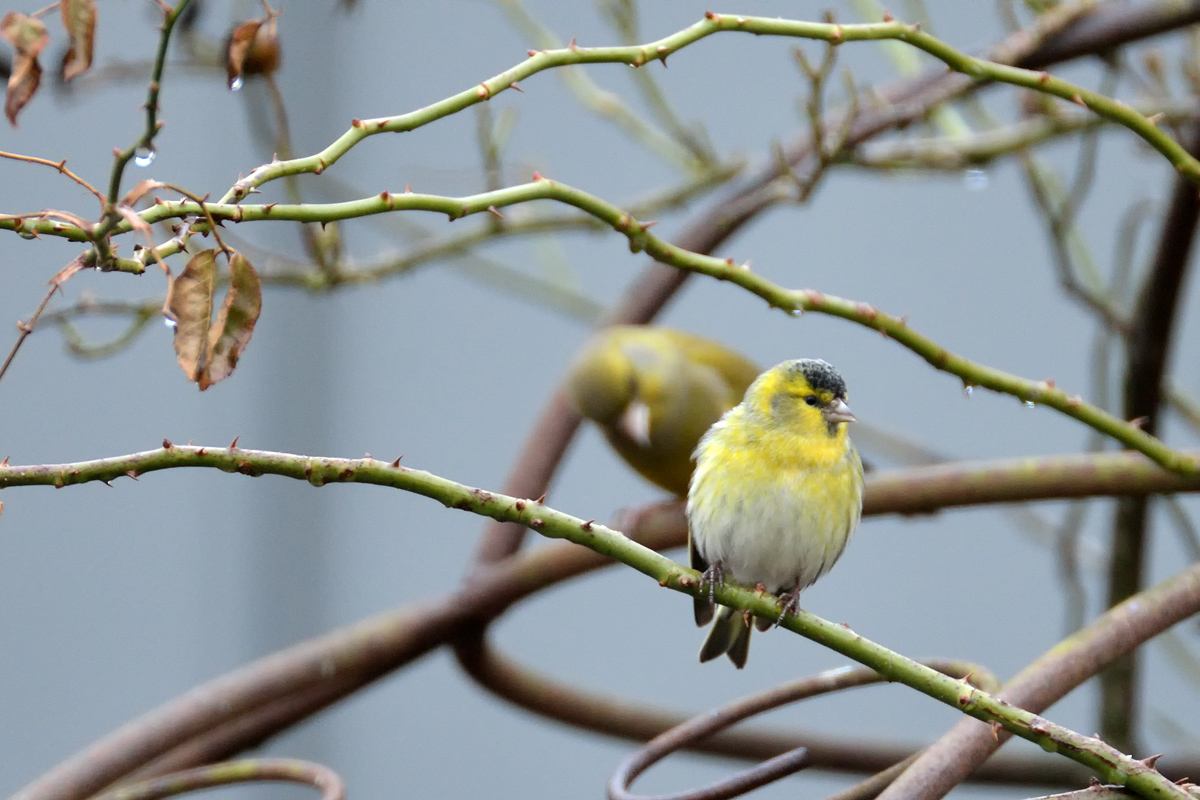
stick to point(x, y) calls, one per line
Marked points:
point(61, 166)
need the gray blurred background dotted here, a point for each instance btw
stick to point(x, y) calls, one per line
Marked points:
point(114, 600)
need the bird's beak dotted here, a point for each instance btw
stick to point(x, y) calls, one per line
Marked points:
point(635, 423)
point(838, 411)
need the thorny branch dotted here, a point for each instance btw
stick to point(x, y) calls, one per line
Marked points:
point(664, 283)
point(1101, 642)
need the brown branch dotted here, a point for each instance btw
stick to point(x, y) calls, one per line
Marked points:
point(61, 166)
point(26, 328)
point(702, 726)
point(1147, 348)
point(1065, 666)
point(249, 770)
point(1113, 25)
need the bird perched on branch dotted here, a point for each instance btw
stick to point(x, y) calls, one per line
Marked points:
point(654, 392)
point(776, 493)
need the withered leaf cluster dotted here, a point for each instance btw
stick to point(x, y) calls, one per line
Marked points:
point(208, 349)
point(28, 36)
point(252, 49)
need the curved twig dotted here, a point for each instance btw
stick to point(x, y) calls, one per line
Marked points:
point(710, 722)
point(249, 770)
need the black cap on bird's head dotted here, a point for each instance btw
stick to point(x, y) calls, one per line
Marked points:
point(821, 375)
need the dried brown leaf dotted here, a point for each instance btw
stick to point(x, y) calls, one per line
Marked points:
point(22, 84)
point(252, 49)
point(234, 325)
point(79, 19)
point(189, 306)
point(28, 36)
point(140, 190)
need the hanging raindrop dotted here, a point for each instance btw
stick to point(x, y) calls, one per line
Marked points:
point(144, 156)
point(976, 180)
point(236, 84)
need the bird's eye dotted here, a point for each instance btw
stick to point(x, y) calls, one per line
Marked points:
point(812, 400)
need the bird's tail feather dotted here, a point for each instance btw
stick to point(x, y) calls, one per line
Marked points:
point(729, 635)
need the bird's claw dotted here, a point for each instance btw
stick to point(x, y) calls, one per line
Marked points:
point(713, 577)
point(789, 604)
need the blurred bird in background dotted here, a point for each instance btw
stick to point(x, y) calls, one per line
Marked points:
point(654, 391)
point(776, 493)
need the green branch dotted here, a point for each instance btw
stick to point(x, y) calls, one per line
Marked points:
point(640, 239)
point(954, 153)
point(1110, 765)
point(641, 55)
point(104, 255)
point(122, 158)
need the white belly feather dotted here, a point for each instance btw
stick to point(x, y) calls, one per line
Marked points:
point(784, 532)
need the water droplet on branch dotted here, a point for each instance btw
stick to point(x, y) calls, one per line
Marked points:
point(144, 156)
point(976, 180)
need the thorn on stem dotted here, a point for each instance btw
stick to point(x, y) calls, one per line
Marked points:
point(396, 463)
point(233, 444)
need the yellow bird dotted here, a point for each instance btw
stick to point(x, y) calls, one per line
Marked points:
point(776, 493)
point(654, 392)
